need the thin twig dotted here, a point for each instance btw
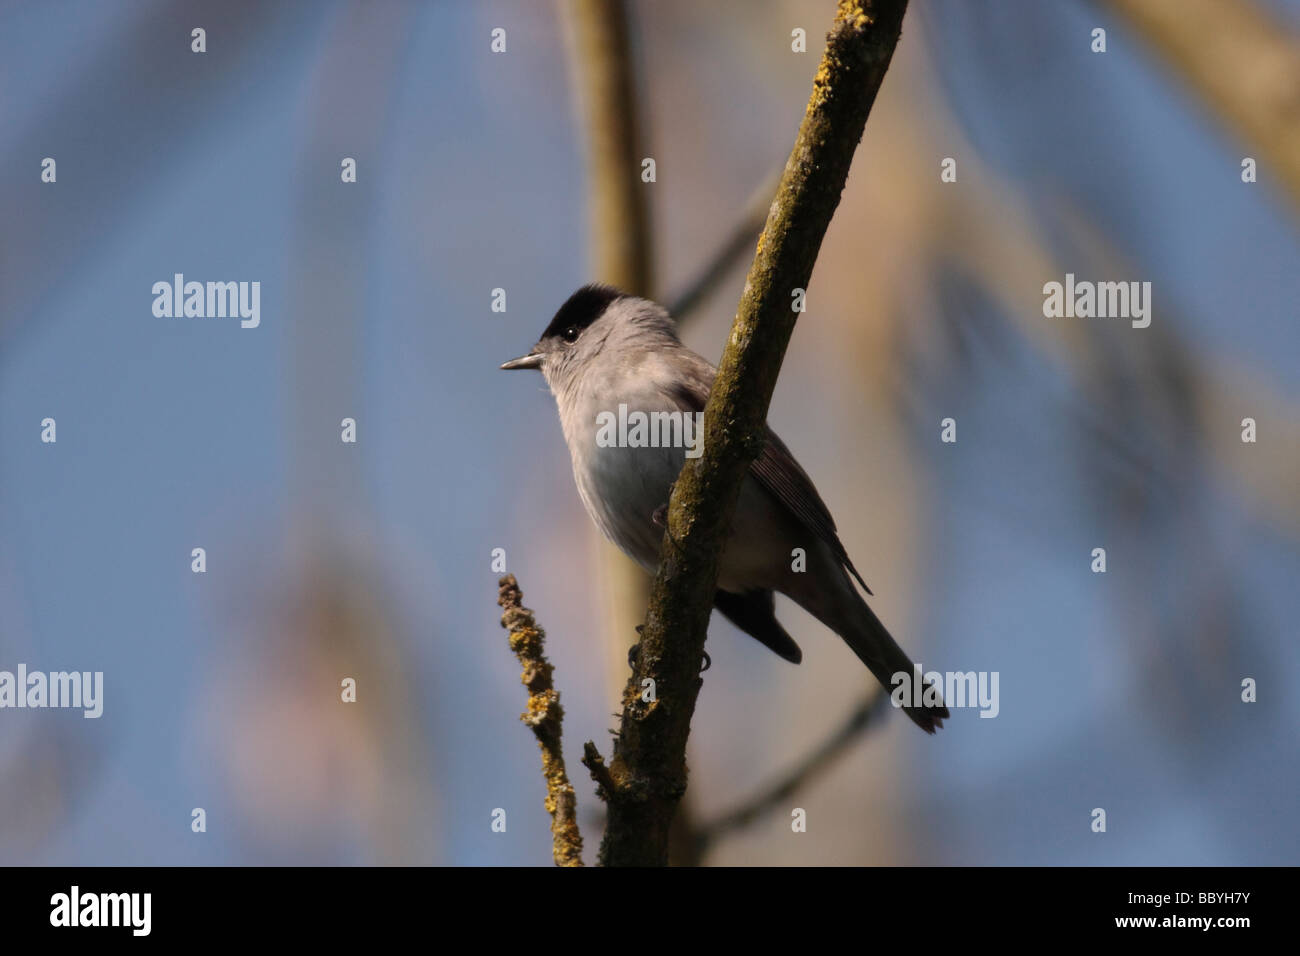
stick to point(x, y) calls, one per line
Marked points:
point(648, 768)
point(545, 717)
point(594, 762)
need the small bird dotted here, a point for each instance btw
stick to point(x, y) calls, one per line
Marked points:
point(605, 349)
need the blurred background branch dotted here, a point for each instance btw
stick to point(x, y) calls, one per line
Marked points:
point(618, 214)
point(621, 253)
point(620, 248)
point(730, 252)
point(1242, 61)
point(812, 766)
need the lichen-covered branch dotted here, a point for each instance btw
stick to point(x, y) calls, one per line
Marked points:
point(648, 768)
point(545, 716)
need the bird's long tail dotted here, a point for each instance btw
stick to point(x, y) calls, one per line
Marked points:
point(843, 610)
point(876, 647)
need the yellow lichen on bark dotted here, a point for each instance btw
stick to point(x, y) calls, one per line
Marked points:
point(546, 717)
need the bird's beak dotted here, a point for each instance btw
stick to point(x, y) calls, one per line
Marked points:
point(531, 360)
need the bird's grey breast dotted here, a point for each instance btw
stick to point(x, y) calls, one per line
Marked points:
point(623, 468)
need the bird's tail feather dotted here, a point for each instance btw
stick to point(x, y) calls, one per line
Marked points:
point(876, 647)
point(849, 616)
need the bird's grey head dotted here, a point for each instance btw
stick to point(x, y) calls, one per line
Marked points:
point(597, 321)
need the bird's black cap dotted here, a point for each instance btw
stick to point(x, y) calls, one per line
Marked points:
point(583, 308)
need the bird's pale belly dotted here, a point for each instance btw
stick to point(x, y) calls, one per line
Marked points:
point(622, 488)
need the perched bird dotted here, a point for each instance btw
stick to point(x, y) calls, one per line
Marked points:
point(605, 349)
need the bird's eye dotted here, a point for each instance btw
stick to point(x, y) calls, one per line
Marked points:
point(571, 334)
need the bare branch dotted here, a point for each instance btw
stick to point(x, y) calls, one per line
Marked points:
point(545, 717)
point(594, 762)
point(649, 764)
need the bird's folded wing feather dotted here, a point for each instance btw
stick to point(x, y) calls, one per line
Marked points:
point(775, 469)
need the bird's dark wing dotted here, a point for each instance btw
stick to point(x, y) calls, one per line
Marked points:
point(777, 471)
point(754, 612)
